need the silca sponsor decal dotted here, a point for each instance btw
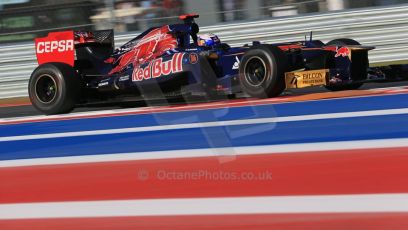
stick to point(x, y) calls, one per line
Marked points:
point(55, 46)
point(158, 68)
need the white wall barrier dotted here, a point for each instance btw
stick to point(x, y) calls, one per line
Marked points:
point(385, 27)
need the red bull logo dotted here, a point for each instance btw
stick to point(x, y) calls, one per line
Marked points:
point(158, 68)
point(343, 52)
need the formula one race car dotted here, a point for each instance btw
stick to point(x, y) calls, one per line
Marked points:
point(82, 67)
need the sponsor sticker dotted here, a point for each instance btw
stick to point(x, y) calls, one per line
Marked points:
point(124, 78)
point(342, 52)
point(193, 58)
point(236, 63)
point(303, 79)
point(158, 68)
point(103, 84)
point(56, 47)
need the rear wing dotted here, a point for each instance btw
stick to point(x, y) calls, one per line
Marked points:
point(60, 46)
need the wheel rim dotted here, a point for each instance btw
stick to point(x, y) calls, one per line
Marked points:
point(255, 71)
point(46, 89)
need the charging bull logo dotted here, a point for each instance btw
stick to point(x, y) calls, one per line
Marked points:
point(159, 68)
point(151, 46)
point(342, 52)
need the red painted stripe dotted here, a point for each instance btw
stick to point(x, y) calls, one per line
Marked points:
point(292, 46)
point(319, 173)
point(357, 221)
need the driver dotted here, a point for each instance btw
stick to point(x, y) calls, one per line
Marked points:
point(208, 40)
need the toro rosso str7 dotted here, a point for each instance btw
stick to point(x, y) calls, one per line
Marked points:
point(82, 67)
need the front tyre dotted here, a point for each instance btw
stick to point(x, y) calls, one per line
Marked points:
point(262, 71)
point(54, 88)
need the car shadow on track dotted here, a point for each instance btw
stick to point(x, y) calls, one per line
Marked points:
point(28, 110)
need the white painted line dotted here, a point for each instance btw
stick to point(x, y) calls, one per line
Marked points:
point(369, 203)
point(211, 152)
point(209, 124)
point(71, 115)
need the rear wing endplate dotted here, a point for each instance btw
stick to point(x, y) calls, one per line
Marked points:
point(60, 46)
point(56, 47)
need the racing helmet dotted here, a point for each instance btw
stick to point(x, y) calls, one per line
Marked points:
point(208, 40)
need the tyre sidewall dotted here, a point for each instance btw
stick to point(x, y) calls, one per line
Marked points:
point(273, 84)
point(67, 90)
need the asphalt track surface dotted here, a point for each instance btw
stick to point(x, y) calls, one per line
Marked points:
point(310, 159)
point(28, 110)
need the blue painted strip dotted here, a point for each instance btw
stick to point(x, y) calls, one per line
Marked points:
point(222, 114)
point(362, 128)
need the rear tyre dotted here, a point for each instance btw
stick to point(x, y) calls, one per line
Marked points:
point(353, 86)
point(262, 71)
point(54, 88)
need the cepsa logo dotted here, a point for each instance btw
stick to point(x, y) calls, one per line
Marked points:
point(55, 46)
point(159, 68)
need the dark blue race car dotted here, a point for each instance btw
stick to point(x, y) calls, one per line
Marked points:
point(82, 67)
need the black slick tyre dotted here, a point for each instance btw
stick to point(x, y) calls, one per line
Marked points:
point(54, 88)
point(262, 71)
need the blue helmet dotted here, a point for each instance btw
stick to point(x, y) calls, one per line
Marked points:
point(208, 40)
